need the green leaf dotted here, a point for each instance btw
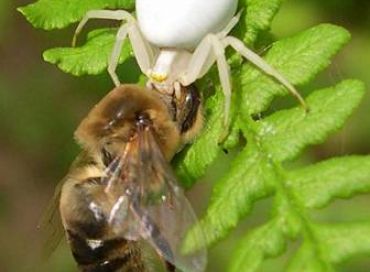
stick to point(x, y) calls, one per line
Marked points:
point(264, 241)
point(339, 242)
point(257, 171)
point(91, 58)
point(306, 259)
point(287, 132)
point(267, 241)
point(318, 184)
point(52, 14)
point(252, 172)
point(258, 17)
point(247, 181)
point(324, 245)
point(299, 58)
point(345, 240)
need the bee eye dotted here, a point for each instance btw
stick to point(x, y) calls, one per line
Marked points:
point(107, 157)
point(191, 106)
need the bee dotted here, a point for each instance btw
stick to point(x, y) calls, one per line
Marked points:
point(121, 192)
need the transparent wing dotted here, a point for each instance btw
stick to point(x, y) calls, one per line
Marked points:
point(164, 213)
point(50, 225)
point(141, 200)
point(116, 197)
point(145, 202)
point(165, 226)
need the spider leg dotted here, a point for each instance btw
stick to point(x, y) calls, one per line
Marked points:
point(143, 51)
point(118, 15)
point(223, 33)
point(224, 74)
point(264, 66)
point(200, 62)
point(116, 52)
point(209, 51)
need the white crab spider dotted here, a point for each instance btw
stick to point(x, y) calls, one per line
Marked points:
point(177, 41)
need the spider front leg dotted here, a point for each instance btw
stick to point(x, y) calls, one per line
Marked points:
point(118, 15)
point(116, 52)
point(209, 51)
point(264, 66)
point(143, 51)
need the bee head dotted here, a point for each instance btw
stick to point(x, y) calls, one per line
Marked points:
point(115, 120)
point(185, 108)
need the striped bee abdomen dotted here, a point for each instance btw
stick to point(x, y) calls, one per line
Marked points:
point(114, 255)
point(92, 243)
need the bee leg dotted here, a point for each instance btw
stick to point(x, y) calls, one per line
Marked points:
point(264, 66)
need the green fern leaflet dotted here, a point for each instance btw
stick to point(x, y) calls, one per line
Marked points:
point(259, 169)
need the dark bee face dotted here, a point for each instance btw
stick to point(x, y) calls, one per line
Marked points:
point(185, 109)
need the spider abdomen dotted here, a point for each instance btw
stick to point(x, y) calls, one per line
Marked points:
point(182, 24)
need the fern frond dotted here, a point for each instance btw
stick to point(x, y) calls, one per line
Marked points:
point(258, 170)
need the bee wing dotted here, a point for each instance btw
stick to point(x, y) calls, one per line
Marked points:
point(50, 225)
point(144, 202)
point(118, 180)
point(166, 225)
point(164, 213)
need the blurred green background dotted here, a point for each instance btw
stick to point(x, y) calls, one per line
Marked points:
point(40, 107)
